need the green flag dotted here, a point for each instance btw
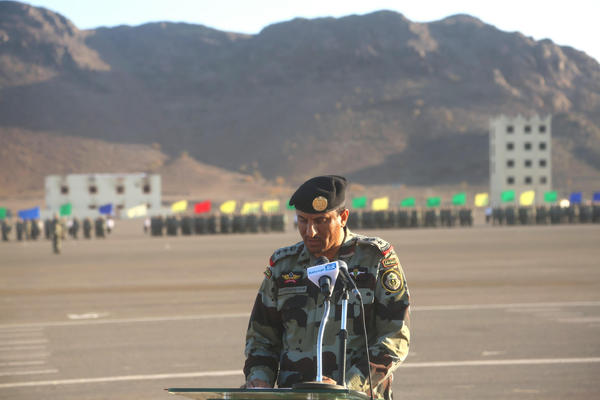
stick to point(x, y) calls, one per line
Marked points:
point(2, 212)
point(359, 202)
point(507, 196)
point(408, 202)
point(290, 207)
point(65, 210)
point(434, 201)
point(459, 199)
point(551, 197)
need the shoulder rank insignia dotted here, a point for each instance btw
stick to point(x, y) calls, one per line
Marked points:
point(285, 252)
point(392, 280)
point(268, 273)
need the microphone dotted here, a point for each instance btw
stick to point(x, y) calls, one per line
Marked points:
point(348, 281)
point(324, 274)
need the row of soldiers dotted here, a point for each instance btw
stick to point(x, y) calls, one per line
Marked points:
point(542, 216)
point(213, 224)
point(409, 219)
point(33, 229)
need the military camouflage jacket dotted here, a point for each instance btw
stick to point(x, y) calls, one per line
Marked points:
point(283, 328)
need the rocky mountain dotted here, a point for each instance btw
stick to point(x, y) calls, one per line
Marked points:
point(376, 97)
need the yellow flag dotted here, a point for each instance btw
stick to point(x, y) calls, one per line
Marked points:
point(482, 200)
point(526, 198)
point(251, 207)
point(179, 206)
point(270, 206)
point(381, 203)
point(137, 211)
point(228, 207)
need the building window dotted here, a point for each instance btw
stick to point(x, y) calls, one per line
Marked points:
point(120, 189)
point(542, 163)
point(510, 129)
point(527, 129)
point(148, 205)
point(527, 146)
point(542, 129)
point(93, 189)
point(120, 207)
point(542, 145)
point(146, 188)
point(510, 163)
point(64, 189)
point(510, 180)
point(510, 146)
point(543, 179)
point(527, 180)
point(528, 163)
point(92, 206)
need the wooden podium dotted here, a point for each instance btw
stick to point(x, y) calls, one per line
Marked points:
point(268, 394)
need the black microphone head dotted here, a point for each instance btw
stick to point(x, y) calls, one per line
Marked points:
point(321, 260)
point(342, 264)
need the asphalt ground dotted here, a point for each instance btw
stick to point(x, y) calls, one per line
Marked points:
point(497, 313)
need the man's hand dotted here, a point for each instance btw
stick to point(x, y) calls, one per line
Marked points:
point(256, 383)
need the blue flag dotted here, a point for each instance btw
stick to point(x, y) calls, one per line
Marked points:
point(575, 198)
point(596, 197)
point(31, 213)
point(106, 209)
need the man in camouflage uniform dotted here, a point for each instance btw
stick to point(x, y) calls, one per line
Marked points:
point(283, 328)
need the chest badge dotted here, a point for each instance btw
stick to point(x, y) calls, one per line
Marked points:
point(290, 277)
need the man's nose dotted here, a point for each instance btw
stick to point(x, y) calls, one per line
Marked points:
point(310, 230)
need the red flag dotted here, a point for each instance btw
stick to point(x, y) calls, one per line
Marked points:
point(202, 207)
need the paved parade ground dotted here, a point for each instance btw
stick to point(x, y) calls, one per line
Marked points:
point(497, 313)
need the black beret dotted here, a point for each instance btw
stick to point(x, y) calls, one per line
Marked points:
point(320, 194)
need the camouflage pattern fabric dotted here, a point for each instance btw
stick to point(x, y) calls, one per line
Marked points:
point(283, 328)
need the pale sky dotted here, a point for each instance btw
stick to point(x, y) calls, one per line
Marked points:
point(574, 23)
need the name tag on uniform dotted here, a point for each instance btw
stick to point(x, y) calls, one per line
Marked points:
point(291, 290)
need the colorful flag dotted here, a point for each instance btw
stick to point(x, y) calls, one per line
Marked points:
point(526, 198)
point(202, 207)
point(507, 196)
point(359, 202)
point(381, 203)
point(3, 212)
point(551, 197)
point(596, 198)
point(482, 200)
point(106, 209)
point(459, 199)
point(250, 207)
point(31, 213)
point(137, 211)
point(179, 206)
point(408, 202)
point(434, 201)
point(65, 210)
point(270, 206)
point(228, 207)
point(576, 198)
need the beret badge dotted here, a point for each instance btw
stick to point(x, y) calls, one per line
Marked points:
point(319, 203)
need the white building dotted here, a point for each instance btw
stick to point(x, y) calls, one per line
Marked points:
point(520, 156)
point(88, 192)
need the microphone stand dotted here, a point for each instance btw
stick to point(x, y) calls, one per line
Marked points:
point(343, 338)
point(326, 304)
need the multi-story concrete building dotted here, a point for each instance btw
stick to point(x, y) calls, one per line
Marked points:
point(520, 156)
point(88, 192)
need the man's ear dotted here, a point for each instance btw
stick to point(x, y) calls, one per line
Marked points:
point(344, 217)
